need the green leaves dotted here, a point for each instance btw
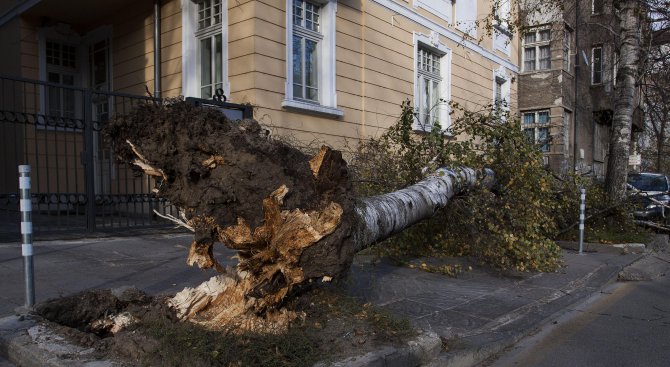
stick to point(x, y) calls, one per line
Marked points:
point(510, 228)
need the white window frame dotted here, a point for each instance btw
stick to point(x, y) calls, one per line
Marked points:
point(536, 126)
point(467, 9)
point(593, 65)
point(536, 45)
point(503, 78)
point(68, 37)
point(441, 8)
point(502, 37)
point(327, 92)
point(190, 47)
point(567, 48)
point(433, 43)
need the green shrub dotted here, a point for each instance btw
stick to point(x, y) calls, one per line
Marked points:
point(510, 227)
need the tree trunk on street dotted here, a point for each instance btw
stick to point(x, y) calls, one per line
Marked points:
point(291, 218)
point(629, 12)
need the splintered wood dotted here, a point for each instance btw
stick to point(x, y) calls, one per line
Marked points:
point(267, 271)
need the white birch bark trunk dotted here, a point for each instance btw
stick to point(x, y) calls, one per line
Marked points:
point(624, 100)
point(384, 215)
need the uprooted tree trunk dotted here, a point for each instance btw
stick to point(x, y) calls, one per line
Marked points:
point(291, 218)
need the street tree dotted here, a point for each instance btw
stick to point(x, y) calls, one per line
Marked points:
point(292, 219)
point(631, 16)
point(656, 94)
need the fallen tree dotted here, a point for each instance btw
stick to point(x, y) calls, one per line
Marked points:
point(291, 218)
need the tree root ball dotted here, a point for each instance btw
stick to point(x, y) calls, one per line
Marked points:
point(287, 214)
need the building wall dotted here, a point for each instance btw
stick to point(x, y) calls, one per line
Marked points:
point(552, 90)
point(374, 67)
point(556, 90)
point(13, 150)
point(133, 49)
point(374, 62)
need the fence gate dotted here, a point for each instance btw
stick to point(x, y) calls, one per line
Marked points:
point(77, 185)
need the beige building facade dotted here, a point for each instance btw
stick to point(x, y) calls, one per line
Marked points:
point(316, 71)
point(324, 70)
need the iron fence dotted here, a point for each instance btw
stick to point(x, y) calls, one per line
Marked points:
point(77, 185)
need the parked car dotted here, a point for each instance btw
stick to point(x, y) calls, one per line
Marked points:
point(651, 193)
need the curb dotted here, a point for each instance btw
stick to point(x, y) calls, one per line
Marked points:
point(654, 264)
point(24, 342)
point(496, 341)
point(425, 348)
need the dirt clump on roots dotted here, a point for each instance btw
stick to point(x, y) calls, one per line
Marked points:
point(335, 327)
point(245, 166)
point(289, 216)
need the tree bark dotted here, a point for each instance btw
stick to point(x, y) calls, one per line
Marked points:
point(291, 218)
point(385, 215)
point(624, 100)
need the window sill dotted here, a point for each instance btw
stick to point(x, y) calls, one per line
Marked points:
point(503, 30)
point(313, 109)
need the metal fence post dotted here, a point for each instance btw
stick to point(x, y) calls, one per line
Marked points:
point(89, 168)
point(582, 209)
point(26, 207)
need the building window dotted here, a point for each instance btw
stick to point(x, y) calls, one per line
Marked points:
point(432, 87)
point(465, 17)
point(498, 93)
point(597, 65)
point(205, 48)
point(502, 14)
point(310, 82)
point(535, 125)
point(501, 32)
point(61, 68)
point(567, 45)
point(597, 6)
point(210, 47)
point(536, 50)
point(441, 8)
point(501, 91)
point(306, 38)
point(428, 81)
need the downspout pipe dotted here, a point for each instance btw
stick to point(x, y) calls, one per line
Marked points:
point(157, 49)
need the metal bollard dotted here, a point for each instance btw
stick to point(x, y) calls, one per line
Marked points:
point(582, 209)
point(26, 206)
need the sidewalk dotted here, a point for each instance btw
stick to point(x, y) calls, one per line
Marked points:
point(476, 315)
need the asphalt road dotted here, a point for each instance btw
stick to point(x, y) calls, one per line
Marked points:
point(626, 325)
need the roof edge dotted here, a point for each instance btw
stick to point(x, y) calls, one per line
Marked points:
point(17, 10)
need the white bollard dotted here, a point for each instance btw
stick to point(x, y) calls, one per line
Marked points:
point(582, 209)
point(26, 207)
